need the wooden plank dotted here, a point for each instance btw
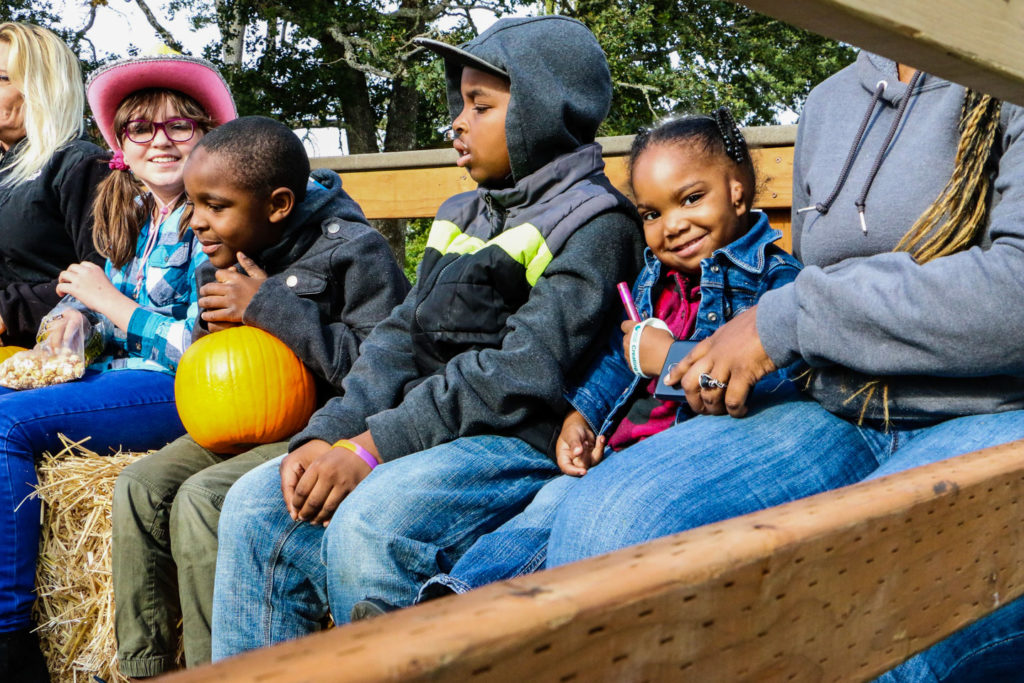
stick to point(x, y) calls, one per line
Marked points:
point(966, 41)
point(756, 136)
point(418, 192)
point(839, 586)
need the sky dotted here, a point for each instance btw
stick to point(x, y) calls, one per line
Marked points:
point(122, 23)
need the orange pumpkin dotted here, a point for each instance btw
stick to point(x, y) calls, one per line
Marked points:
point(8, 351)
point(241, 387)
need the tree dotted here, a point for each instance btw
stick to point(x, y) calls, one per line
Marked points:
point(352, 64)
point(670, 57)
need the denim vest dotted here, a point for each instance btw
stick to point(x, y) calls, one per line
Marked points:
point(732, 280)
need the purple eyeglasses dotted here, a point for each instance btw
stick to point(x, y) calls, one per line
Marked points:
point(179, 129)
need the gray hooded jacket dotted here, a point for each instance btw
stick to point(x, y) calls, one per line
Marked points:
point(417, 383)
point(944, 336)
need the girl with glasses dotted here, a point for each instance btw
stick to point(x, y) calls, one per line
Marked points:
point(152, 111)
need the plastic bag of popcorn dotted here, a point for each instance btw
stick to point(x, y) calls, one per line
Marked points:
point(65, 344)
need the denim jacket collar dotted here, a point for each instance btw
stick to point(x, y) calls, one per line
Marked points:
point(748, 251)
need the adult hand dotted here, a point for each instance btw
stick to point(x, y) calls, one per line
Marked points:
point(654, 345)
point(88, 283)
point(225, 300)
point(734, 356)
point(576, 449)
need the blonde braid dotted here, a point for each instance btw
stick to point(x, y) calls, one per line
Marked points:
point(964, 199)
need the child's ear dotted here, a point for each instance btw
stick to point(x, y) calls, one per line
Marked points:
point(739, 196)
point(282, 201)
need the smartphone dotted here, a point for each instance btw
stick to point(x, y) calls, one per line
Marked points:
point(676, 353)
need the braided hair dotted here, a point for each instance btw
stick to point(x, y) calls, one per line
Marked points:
point(963, 202)
point(716, 135)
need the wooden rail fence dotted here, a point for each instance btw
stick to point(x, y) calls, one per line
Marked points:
point(837, 587)
point(413, 184)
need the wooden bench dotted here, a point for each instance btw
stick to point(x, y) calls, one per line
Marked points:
point(837, 587)
point(413, 184)
point(840, 586)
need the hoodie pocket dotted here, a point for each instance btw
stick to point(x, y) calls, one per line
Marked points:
point(304, 283)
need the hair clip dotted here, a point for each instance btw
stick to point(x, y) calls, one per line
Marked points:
point(116, 162)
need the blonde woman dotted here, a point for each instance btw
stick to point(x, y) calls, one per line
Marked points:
point(48, 176)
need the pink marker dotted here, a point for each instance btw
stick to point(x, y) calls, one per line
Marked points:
point(627, 301)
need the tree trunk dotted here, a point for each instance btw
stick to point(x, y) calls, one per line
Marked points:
point(232, 31)
point(357, 111)
point(400, 136)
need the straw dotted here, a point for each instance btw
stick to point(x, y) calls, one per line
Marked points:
point(75, 606)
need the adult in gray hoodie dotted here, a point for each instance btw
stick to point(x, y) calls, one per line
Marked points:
point(906, 312)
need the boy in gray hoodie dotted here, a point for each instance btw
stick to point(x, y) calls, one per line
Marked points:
point(459, 392)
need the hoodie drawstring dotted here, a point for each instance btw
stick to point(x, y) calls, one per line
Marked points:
point(823, 207)
point(863, 198)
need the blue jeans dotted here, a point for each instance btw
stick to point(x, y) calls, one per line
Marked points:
point(131, 409)
point(517, 547)
point(712, 468)
point(407, 521)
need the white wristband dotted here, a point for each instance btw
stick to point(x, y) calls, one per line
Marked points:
point(634, 343)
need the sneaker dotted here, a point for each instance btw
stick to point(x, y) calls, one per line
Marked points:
point(370, 608)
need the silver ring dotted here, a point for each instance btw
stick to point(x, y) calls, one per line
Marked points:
point(706, 381)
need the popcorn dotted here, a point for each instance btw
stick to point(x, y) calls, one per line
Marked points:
point(40, 368)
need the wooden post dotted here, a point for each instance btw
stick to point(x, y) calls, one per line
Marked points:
point(971, 42)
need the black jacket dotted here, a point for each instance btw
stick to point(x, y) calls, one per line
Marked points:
point(45, 226)
point(517, 285)
point(332, 278)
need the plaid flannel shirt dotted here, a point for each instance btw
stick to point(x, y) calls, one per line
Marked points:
point(164, 286)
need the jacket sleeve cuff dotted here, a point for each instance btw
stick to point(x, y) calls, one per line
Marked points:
point(269, 292)
point(327, 425)
point(777, 325)
point(392, 434)
point(142, 329)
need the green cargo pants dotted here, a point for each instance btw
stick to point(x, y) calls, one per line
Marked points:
point(165, 512)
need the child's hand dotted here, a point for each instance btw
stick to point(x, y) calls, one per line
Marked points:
point(226, 299)
point(61, 329)
point(294, 466)
point(316, 478)
point(654, 345)
point(576, 450)
point(88, 283)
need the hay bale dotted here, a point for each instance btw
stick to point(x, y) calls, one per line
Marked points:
point(75, 606)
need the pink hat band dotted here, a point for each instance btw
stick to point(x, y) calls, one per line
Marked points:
point(199, 79)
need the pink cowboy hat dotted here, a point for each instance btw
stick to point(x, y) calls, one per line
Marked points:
point(199, 79)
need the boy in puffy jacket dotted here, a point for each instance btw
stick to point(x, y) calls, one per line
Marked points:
point(288, 253)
